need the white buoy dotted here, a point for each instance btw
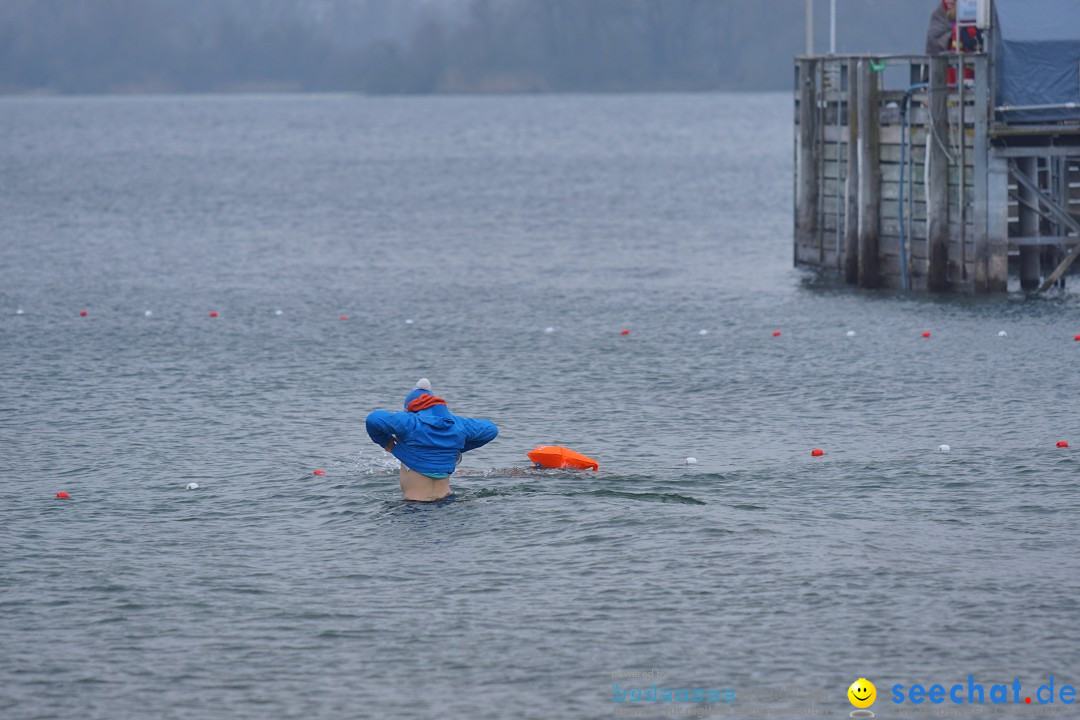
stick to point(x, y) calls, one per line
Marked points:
point(1002, 333)
point(409, 321)
point(279, 312)
point(702, 332)
point(851, 333)
point(192, 486)
point(549, 330)
point(691, 461)
point(148, 313)
point(943, 448)
point(18, 311)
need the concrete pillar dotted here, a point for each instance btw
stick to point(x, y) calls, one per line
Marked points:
point(851, 211)
point(806, 191)
point(937, 190)
point(1030, 265)
point(869, 173)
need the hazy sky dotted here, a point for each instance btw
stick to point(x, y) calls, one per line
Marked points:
point(431, 45)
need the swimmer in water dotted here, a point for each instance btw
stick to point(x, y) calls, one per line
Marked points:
point(428, 440)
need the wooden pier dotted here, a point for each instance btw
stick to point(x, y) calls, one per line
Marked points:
point(905, 181)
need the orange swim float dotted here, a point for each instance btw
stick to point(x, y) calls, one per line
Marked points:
point(557, 456)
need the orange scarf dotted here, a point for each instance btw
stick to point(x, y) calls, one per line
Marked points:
point(424, 402)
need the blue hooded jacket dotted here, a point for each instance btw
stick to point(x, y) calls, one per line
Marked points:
point(430, 440)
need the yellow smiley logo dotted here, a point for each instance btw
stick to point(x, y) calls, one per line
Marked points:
point(862, 693)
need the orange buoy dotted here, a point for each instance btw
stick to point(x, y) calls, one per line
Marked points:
point(62, 495)
point(556, 456)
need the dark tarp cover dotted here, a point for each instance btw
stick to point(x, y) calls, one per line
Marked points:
point(1037, 57)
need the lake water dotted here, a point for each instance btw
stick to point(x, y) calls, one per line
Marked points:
point(452, 232)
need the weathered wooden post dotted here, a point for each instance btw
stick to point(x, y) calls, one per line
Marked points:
point(869, 182)
point(851, 184)
point(806, 194)
point(937, 189)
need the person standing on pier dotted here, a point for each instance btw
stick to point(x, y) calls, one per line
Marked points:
point(940, 34)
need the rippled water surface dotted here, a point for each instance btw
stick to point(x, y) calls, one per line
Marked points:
point(270, 592)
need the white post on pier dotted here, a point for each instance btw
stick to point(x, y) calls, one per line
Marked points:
point(832, 27)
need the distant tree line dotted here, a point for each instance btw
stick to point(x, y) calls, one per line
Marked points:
point(425, 46)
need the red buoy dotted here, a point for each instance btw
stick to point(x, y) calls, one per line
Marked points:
point(776, 333)
point(926, 333)
point(342, 317)
point(817, 452)
point(318, 472)
point(82, 313)
point(213, 313)
point(1077, 338)
point(1063, 443)
point(62, 495)
point(624, 332)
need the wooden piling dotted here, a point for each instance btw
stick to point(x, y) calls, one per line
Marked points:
point(937, 189)
point(851, 185)
point(869, 180)
point(806, 192)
